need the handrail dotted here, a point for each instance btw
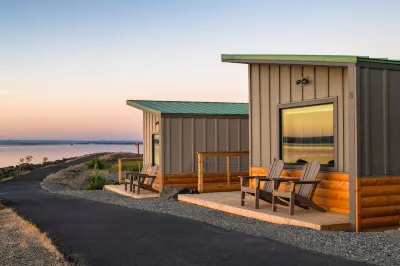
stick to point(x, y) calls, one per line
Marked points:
point(223, 153)
point(200, 164)
point(121, 160)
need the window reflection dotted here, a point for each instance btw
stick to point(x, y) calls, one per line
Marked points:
point(307, 134)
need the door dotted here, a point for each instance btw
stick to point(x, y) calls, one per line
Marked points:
point(155, 144)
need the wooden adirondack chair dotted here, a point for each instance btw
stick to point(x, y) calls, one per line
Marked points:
point(303, 197)
point(139, 182)
point(130, 175)
point(265, 193)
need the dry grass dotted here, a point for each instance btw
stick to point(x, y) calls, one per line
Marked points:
point(23, 243)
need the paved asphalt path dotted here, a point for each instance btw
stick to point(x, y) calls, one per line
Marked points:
point(95, 233)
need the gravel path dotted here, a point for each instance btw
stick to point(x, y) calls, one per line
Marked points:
point(374, 248)
point(23, 244)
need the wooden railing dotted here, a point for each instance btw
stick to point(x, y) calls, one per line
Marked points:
point(201, 156)
point(121, 160)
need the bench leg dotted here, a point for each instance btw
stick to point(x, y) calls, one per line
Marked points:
point(291, 205)
point(257, 199)
point(131, 184)
point(242, 198)
point(273, 203)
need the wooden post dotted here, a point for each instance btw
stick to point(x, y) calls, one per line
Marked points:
point(200, 172)
point(228, 168)
point(120, 171)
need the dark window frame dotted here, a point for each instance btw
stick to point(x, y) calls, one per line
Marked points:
point(330, 100)
point(152, 148)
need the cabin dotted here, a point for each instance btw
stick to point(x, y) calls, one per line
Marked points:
point(176, 132)
point(339, 110)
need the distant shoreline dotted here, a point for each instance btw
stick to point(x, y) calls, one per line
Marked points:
point(64, 142)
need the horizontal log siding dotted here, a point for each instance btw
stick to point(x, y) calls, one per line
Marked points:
point(378, 203)
point(332, 193)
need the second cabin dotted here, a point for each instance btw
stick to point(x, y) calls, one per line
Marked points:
point(176, 132)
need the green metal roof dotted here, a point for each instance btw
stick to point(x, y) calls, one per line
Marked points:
point(315, 58)
point(190, 108)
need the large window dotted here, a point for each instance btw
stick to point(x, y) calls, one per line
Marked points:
point(155, 149)
point(307, 134)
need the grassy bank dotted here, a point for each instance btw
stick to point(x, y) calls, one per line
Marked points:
point(92, 175)
point(23, 244)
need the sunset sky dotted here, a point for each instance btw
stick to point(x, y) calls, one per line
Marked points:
point(67, 67)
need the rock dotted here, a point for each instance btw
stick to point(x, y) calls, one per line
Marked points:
point(172, 192)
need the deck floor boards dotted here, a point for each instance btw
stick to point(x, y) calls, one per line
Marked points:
point(120, 189)
point(230, 202)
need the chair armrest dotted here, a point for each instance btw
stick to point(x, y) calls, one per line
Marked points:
point(244, 178)
point(249, 177)
point(263, 178)
point(283, 179)
point(141, 174)
point(306, 182)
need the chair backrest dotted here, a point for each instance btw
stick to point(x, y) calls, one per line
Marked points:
point(144, 168)
point(309, 173)
point(150, 180)
point(274, 172)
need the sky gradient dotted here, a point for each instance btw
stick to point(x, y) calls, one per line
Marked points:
point(67, 67)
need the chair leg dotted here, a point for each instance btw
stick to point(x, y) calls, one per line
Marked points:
point(273, 203)
point(137, 189)
point(292, 201)
point(242, 196)
point(131, 184)
point(257, 199)
point(126, 185)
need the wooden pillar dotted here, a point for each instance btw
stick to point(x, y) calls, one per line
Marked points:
point(228, 168)
point(120, 171)
point(200, 172)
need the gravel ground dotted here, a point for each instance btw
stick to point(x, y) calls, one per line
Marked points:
point(374, 248)
point(21, 243)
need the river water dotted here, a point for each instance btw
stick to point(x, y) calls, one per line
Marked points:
point(9, 155)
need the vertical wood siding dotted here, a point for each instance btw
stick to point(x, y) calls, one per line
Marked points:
point(271, 85)
point(379, 128)
point(149, 126)
point(184, 137)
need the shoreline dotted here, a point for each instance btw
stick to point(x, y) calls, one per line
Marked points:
point(10, 172)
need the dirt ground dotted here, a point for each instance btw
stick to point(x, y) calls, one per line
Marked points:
point(23, 244)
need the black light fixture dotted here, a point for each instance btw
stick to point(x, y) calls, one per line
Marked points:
point(302, 81)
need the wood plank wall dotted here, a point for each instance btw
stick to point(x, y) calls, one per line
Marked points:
point(184, 137)
point(271, 85)
point(332, 193)
point(378, 203)
point(190, 180)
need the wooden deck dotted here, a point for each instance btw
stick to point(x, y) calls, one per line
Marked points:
point(120, 189)
point(230, 202)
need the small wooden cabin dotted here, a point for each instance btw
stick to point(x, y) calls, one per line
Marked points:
point(175, 131)
point(339, 110)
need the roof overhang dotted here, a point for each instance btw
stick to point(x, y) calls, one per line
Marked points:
point(143, 108)
point(323, 60)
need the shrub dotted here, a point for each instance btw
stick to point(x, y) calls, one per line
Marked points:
point(128, 166)
point(97, 163)
point(95, 182)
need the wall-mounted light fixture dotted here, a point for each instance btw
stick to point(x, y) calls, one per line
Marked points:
point(303, 81)
point(157, 125)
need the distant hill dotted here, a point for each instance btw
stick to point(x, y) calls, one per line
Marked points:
point(67, 142)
